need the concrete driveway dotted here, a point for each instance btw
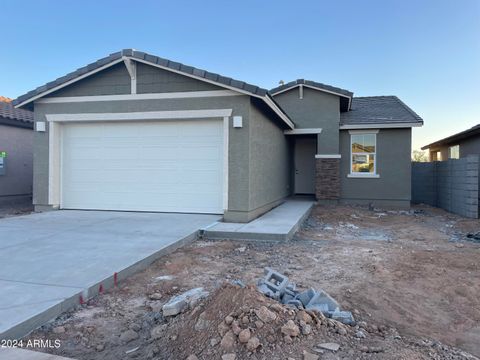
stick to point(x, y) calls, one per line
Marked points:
point(48, 261)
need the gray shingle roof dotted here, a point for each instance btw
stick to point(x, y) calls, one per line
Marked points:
point(311, 83)
point(255, 90)
point(378, 110)
point(9, 115)
point(473, 131)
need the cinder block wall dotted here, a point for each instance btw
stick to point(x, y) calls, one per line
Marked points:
point(452, 185)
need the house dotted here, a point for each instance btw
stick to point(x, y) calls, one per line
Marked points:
point(137, 132)
point(455, 146)
point(16, 153)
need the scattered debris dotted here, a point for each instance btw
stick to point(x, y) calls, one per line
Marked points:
point(278, 287)
point(132, 350)
point(164, 278)
point(474, 236)
point(329, 346)
point(182, 302)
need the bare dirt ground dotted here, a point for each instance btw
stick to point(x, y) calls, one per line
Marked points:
point(411, 278)
point(15, 209)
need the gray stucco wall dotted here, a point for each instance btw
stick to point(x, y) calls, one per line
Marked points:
point(154, 80)
point(112, 81)
point(393, 187)
point(470, 146)
point(18, 143)
point(270, 166)
point(238, 140)
point(316, 110)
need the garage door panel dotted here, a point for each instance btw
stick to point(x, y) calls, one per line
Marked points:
point(152, 166)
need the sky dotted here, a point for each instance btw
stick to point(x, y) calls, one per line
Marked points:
point(427, 52)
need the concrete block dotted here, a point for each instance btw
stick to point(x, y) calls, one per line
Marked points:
point(296, 303)
point(321, 297)
point(323, 308)
point(181, 302)
point(345, 317)
point(275, 281)
point(306, 296)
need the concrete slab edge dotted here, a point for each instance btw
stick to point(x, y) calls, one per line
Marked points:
point(26, 327)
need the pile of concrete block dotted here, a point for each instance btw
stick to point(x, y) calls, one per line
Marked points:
point(278, 287)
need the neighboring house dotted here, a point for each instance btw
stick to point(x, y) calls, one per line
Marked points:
point(137, 132)
point(456, 146)
point(16, 153)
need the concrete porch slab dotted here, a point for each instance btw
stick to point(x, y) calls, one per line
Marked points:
point(279, 224)
point(49, 260)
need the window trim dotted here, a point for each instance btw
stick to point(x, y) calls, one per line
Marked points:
point(353, 174)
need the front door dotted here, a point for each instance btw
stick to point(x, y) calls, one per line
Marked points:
point(305, 150)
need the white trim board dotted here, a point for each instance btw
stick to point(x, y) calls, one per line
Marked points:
point(128, 97)
point(372, 131)
point(380, 126)
point(328, 156)
point(133, 116)
point(303, 131)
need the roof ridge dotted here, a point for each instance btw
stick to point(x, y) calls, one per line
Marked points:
point(313, 83)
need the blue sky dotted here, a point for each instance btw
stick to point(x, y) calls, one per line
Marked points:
point(427, 52)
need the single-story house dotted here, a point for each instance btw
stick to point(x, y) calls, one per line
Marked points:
point(16, 153)
point(137, 132)
point(455, 146)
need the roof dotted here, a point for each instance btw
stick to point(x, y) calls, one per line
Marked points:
point(315, 85)
point(374, 110)
point(5, 99)
point(473, 131)
point(187, 70)
point(9, 115)
point(176, 66)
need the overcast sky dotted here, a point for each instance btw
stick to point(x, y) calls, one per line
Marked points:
point(427, 52)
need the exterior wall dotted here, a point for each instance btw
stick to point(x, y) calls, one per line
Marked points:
point(269, 161)
point(112, 81)
point(17, 181)
point(470, 146)
point(154, 80)
point(316, 110)
point(238, 140)
point(393, 187)
point(452, 185)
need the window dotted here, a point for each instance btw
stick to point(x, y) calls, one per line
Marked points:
point(454, 152)
point(363, 150)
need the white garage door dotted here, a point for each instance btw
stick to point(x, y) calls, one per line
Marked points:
point(171, 166)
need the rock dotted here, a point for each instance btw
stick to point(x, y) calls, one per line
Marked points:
point(265, 315)
point(155, 296)
point(128, 336)
point(181, 302)
point(228, 320)
point(306, 329)
point(202, 323)
point(360, 334)
point(287, 339)
point(329, 346)
point(58, 330)
point(271, 339)
point(362, 324)
point(223, 328)
point(309, 356)
point(214, 341)
point(192, 357)
point(253, 344)
point(230, 356)
point(228, 341)
point(157, 331)
point(290, 329)
point(135, 327)
point(342, 331)
point(303, 316)
point(241, 249)
point(259, 324)
point(100, 347)
point(236, 328)
point(244, 336)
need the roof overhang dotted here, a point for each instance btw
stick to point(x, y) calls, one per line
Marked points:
point(451, 140)
point(128, 59)
point(380, 126)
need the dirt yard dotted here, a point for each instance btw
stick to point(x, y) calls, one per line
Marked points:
point(15, 208)
point(411, 279)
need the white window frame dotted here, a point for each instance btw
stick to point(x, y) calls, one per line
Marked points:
point(361, 174)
